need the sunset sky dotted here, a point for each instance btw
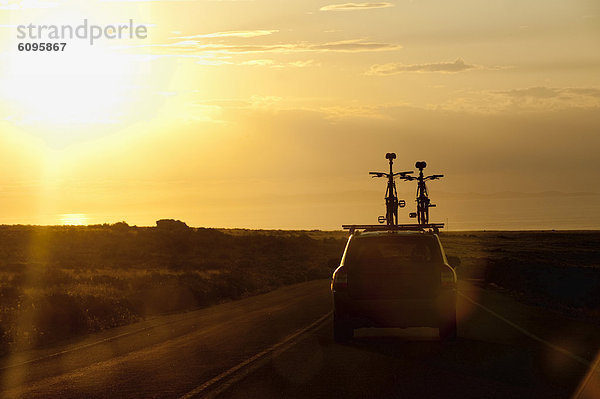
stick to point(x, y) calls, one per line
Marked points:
point(269, 114)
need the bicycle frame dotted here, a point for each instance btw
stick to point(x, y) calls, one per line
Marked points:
point(423, 201)
point(391, 195)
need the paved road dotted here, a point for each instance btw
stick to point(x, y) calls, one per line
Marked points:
point(279, 345)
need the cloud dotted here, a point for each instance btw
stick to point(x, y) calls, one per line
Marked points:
point(264, 62)
point(525, 100)
point(534, 92)
point(591, 92)
point(542, 92)
point(274, 64)
point(218, 60)
point(191, 46)
point(545, 98)
point(233, 33)
point(444, 67)
point(355, 6)
point(303, 64)
point(354, 46)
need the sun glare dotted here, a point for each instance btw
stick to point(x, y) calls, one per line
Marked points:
point(73, 219)
point(78, 86)
point(84, 85)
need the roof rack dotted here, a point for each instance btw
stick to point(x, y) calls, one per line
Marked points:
point(435, 227)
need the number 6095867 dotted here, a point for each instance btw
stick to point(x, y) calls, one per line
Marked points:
point(42, 46)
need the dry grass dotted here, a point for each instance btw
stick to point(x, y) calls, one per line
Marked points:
point(57, 282)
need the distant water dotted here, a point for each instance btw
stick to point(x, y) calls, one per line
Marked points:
point(544, 213)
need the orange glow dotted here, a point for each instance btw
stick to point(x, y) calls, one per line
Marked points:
point(73, 219)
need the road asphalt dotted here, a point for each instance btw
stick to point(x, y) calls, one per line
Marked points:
point(279, 345)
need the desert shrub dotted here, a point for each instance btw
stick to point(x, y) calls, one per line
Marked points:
point(171, 225)
point(50, 318)
point(569, 286)
point(10, 296)
point(558, 267)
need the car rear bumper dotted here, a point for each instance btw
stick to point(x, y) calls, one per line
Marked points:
point(402, 313)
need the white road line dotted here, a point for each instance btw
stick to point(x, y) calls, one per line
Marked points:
point(564, 351)
point(288, 341)
point(56, 354)
point(586, 380)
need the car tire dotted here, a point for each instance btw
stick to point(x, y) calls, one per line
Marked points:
point(341, 330)
point(448, 329)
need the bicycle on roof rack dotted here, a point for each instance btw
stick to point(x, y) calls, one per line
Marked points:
point(392, 203)
point(391, 195)
point(423, 201)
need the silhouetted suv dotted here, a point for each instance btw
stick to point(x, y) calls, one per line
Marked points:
point(394, 279)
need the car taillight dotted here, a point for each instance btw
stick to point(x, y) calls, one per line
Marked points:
point(447, 277)
point(340, 279)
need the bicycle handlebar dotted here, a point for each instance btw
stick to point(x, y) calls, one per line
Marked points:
point(382, 174)
point(433, 177)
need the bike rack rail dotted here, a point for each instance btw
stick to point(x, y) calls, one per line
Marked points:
point(398, 227)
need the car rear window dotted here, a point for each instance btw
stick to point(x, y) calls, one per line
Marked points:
point(393, 249)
